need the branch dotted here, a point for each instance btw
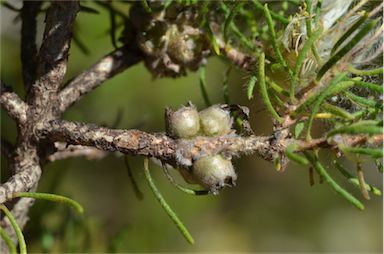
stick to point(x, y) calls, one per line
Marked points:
point(176, 152)
point(23, 181)
point(42, 100)
point(12, 104)
point(351, 141)
point(29, 11)
point(182, 152)
point(107, 67)
point(53, 55)
point(236, 56)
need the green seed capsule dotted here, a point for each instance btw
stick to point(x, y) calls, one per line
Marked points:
point(185, 122)
point(215, 121)
point(214, 172)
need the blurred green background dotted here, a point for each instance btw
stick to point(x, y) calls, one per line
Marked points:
point(266, 212)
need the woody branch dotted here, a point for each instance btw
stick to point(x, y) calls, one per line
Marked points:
point(42, 84)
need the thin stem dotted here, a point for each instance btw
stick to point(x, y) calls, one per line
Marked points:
point(324, 174)
point(368, 129)
point(337, 111)
point(250, 86)
point(203, 86)
point(362, 100)
point(362, 184)
point(368, 85)
point(229, 18)
point(276, 87)
point(135, 187)
point(19, 233)
point(225, 86)
point(317, 12)
point(165, 205)
point(355, 9)
point(263, 89)
point(292, 155)
point(51, 197)
point(8, 241)
point(308, 20)
point(300, 59)
point(182, 188)
point(370, 72)
point(334, 87)
point(146, 7)
point(347, 48)
point(354, 181)
point(277, 51)
point(374, 152)
point(276, 16)
point(348, 33)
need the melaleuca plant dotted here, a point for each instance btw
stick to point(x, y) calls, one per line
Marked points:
point(315, 64)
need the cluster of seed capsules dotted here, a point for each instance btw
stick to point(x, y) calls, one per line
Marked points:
point(212, 172)
point(170, 38)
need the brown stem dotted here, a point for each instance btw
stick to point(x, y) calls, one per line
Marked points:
point(107, 67)
point(12, 104)
point(177, 152)
point(42, 106)
point(52, 58)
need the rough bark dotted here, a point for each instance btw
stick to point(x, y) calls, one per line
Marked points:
point(25, 161)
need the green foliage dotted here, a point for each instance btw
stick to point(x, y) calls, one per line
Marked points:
point(16, 228)
point(165, 206)
point(323, 173)
point(51, 197)
point(182, 188)
point(347, 48)
point(8, 241)
point(263, 88)
point(311, 74)
point(250, 86)
point(290, 152)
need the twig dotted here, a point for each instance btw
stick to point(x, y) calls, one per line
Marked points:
point(22, 181)
point(12, 104)
point(174, 152)
point(42, 100)
point(53, 56)
point(107, 67)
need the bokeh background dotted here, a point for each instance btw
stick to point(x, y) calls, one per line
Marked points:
point(267, 211)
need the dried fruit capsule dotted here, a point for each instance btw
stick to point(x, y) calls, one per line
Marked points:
point(214, 172)
point(184, 123)
point(215, 121)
